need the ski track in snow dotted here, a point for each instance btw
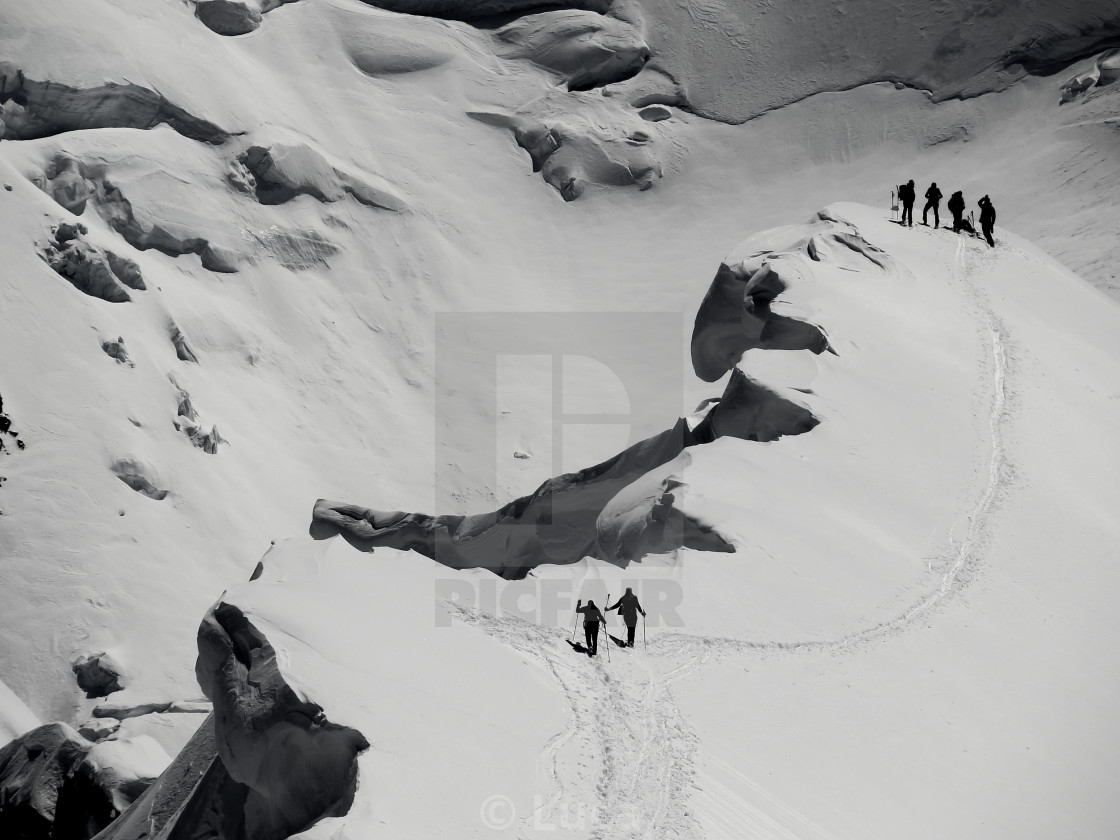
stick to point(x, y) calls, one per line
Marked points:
point(624, 726)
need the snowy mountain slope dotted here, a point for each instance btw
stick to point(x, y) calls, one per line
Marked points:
point(895, 647)
point(300, 201)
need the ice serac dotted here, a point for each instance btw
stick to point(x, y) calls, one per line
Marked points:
point(283, 764)
point(559, 522)
point(34, 109)
point(754, 300)
point(648, 517)
point(556, 524)
point(56, 785)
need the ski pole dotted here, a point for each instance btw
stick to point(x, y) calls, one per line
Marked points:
point(643, 631)
point(575, 621)
point(606, 631)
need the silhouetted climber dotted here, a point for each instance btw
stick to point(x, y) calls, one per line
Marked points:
point(987, 219)
point(592, 617)
point(933, 199)
point(956, 207)
point(629, 608)
point(907, 194)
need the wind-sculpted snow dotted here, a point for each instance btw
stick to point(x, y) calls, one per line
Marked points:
point(745, 305)
point(1103, 71)
point(556, 524)
point(646, 518)
point(573, 152)
point(280, 172)
point(295, 766)
point(559, 522)
point(587, 50)
point(483, 10)
point(33, 109)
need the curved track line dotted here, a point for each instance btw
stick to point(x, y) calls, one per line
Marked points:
point(625, 717)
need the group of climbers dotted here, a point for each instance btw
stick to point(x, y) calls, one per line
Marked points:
point(627, 605)
point(956, 205)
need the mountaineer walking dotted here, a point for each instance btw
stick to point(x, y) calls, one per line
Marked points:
point(629, 608)
point(592, 618)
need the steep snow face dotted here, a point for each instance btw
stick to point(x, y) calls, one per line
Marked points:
point(734, 62)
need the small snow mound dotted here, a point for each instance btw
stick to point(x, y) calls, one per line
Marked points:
point(280, 172)
point(577, 150)
point(587, 50)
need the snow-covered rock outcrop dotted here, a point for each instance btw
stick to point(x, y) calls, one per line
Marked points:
point(56, 784)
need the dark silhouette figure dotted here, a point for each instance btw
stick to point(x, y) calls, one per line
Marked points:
point(987, 219)
point(956, 207)
point(933, 200)
point(629, 608)
point(906, 194)
point(592, 617)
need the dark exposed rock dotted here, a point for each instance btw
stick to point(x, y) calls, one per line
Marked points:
point(187, 422)
point(133, 474)
point(116, 351)
point(483, 10)
point(228, 17)
point(48, 788)
point(33, 109)
point(98, 674)
point(183, 351)
point(127, 271)
point(87, 267)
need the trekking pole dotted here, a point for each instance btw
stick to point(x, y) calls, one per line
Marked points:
point(644, 631)
point(575, 620)
point(606, 631)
